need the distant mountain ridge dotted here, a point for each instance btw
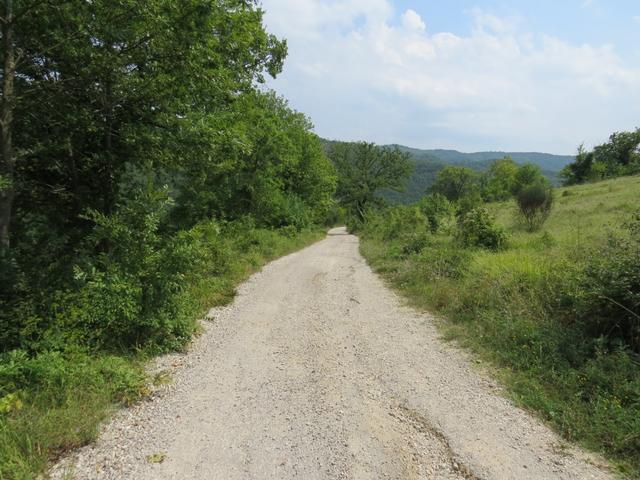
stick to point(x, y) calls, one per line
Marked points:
point(546, 161)
point(427, 164)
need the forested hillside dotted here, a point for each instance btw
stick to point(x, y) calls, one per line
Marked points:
point(145, 170)
point(427, 164)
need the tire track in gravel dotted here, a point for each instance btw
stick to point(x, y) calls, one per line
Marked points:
point(318, 371)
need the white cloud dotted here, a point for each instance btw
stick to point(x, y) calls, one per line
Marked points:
point(363, 72)
point(412, 21)
point(636, 19)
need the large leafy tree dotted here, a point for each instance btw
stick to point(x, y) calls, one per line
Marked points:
point(455, 182)
point(364, 170)
point(267, 163)
point(498, 182)
point(104, 83)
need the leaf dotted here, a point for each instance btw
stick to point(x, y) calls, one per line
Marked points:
point(157, 457)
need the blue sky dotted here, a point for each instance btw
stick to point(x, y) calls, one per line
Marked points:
point(472, 75)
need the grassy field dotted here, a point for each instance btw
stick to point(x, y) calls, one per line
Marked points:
point(56, 400)
point(516, 308)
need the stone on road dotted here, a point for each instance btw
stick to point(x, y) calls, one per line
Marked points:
point(318, 371)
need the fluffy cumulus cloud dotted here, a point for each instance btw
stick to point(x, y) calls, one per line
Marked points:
point(364, 71)
point(412, 21)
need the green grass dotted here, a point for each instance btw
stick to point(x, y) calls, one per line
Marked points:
point(513, 308)
point(54, 401)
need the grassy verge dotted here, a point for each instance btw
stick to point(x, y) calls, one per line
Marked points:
point(517, 309)
point(52, 401)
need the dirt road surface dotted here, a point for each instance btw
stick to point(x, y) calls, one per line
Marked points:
point(318, 371)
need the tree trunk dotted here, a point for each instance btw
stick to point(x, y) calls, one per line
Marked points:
point(7, 163)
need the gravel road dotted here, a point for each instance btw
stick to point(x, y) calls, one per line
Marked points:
point(318, 371)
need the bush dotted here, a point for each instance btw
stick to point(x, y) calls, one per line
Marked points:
point(608, 302)
point(393, 223)
point(437, 209)
point(414, 241)
point(444, 261)
point(468, 203)
point(478, 229)
point(135, 292)
point(534, 203)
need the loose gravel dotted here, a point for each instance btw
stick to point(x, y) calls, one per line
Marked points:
point(318, 371)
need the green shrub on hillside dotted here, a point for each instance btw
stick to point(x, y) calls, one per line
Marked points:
point(608, 303)
point(477, 228)
point(534, 204)
point(437, 209)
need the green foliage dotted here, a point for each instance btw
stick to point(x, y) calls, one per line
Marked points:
point(455, 183)
point(477, 228)
point(535, 202)
point(618, 157)
point(608, 300)
point(528, 174)
point(467, 203)
point(427, 164)
point(499, 182)
point(437, 209)
point(364, 169)
point(62, 396)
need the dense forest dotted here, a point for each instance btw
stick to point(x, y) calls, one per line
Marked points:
point(145, 170)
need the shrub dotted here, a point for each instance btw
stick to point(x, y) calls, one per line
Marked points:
point(608, 303)
point(478, 229)
point(436, 208)
point(393, 223)
point(534, 204)
point(414, 241)
point(468, 203)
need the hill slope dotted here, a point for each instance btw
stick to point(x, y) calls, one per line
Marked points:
point(429, 162)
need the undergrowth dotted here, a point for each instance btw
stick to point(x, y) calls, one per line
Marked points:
point(54, 397)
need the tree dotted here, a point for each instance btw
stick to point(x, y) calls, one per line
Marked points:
point(106, 83)
point(7, 162)
point(619, 156)
point(580, 170)
point(528, 174)
point(146, 117)
point(365, 169)
point(498, 182)
point(455, 182)
point(436, 208)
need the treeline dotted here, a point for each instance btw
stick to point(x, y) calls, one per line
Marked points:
point(144, 170)
point(366, 172)
point(618, 157)
point(504, 179)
